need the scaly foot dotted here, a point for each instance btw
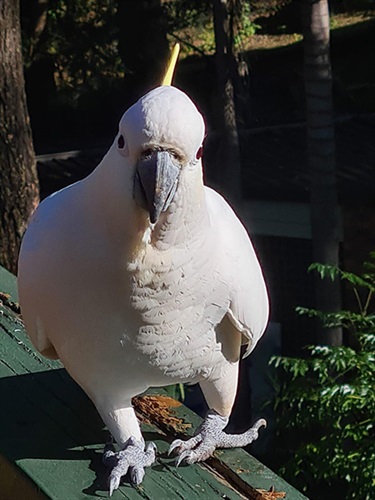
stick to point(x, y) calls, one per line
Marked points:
point(133, 458)
point(210, 436)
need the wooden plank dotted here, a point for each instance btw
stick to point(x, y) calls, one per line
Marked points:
point(52, 438)
point(63, 460)
point(8, 284)
point(16, 485)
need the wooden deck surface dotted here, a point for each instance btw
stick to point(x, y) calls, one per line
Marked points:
point(51, 437)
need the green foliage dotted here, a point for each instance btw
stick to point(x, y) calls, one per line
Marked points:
point(326, 402)
point(191, 21)
point(244, 26)
point(183, 14)
point(80, 38)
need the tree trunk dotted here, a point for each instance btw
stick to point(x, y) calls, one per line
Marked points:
point(321, 158)
point(19, 190)
point(229, 149)
point(143, 45)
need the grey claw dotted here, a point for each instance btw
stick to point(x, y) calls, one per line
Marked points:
point(136, 475)
point(260, 423)
point(113, 483)
point(184, 456)
point(176, 444)
point(151, 446)
point(133, 458)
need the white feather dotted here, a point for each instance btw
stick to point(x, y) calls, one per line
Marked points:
point(127, 305)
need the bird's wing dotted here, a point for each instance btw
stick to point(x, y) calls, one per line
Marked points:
point(38, 266)
point(239, 267)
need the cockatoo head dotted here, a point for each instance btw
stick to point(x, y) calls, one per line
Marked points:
point(159, 137)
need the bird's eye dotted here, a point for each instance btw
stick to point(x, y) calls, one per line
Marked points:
point(122, 146)
point(121, 142)
point(199, 153)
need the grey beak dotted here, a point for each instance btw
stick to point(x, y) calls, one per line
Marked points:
point(155, 183)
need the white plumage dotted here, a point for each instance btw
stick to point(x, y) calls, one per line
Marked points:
point(127, 304)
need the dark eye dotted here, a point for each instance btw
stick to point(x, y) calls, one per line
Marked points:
point(121, 142)
point(199, 153)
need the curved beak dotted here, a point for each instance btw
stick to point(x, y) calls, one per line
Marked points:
point(155, 183)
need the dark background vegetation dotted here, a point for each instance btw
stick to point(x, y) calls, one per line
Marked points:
point(77, 92)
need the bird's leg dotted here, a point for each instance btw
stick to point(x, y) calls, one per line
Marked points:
point(209, 436)
point(133, 458)
point(134, 455)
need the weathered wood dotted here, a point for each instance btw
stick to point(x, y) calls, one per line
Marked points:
point(52, 438)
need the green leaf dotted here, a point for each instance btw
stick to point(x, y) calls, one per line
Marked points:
point(325, 404)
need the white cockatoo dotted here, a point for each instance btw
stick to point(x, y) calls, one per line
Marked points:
point(140, 276)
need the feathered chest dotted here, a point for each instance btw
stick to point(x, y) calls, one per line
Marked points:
point(179, 299)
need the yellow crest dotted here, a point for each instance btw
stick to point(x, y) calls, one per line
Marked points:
point(168, 76)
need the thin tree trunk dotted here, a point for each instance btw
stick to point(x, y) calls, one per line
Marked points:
point(321, 157)
point(19, 190)
point(229, 154)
